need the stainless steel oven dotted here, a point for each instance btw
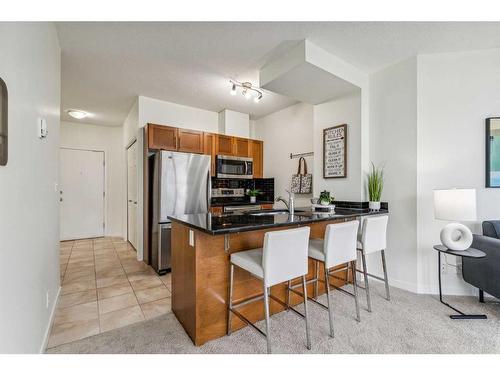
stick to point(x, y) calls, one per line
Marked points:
point(234, 167)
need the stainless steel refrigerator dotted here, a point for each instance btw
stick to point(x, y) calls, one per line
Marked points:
point(180, 184)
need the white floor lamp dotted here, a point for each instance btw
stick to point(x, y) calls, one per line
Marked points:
point(455, 205)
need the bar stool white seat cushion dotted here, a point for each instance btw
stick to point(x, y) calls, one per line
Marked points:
point(250, 260)
point(339, 245)
point(374, 234)
point(316, 249)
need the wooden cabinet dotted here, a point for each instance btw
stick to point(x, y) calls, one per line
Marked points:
point(256, 151)
point(162, 137)
point(209, 149)
point(224, 145)
point(168, 138)
point(190, 141)
point(241, 146)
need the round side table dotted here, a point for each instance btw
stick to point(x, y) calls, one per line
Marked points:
point(469, 253)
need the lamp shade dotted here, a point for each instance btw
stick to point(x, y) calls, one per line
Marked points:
point(455, 204)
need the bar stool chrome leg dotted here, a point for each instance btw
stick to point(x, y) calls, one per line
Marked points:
point(266, 311)
point(355, 286)
point(229, 313)
point(316, 271)
point(385, 276)
point(308, 335)
point(329, 300)
point(365, 276)
point(287, 297)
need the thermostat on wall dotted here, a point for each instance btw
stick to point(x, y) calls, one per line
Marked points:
point(42, 128)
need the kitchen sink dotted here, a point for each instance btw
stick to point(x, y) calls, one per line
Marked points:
point(271, 212)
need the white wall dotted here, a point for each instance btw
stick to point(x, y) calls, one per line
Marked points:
point(29, 214)
point(345, 110)
point(110, 140)
point(234, 123)
point(393, 143)
point(131, 125)
point(286, 131)
point(181, 116)
point(456, 92)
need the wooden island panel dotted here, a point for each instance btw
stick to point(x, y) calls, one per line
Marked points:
point(200, 279)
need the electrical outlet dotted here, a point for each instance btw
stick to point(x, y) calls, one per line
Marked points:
point(444, 266)
point(191, 238)
point(47, 300)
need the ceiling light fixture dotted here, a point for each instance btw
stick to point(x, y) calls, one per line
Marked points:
point(76, 113)
point(248, 90)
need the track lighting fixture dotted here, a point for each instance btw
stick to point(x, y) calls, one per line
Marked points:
point(248, 91)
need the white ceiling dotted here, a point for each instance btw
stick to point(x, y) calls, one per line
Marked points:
point(106, 65)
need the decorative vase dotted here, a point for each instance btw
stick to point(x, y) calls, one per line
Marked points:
point(456, 236)
point(253, 199)
point(375, 206)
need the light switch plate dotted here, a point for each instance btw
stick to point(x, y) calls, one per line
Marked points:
point(42, 128)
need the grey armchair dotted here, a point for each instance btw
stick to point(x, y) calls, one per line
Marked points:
point(484, 273)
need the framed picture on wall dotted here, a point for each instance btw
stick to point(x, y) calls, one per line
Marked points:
point(493, 152)
point(335, 152)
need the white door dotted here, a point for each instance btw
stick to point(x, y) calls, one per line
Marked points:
point(82, 194)
point(132, 195)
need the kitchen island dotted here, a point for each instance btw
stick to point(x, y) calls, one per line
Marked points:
point(201, 247)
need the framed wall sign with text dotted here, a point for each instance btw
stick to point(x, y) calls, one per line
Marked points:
point(335, 152)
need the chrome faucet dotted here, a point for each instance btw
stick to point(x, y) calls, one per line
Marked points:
point(290, 205)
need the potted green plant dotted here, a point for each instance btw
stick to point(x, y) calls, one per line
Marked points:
point(375, 186)
point(325, 199)
point(252, 193)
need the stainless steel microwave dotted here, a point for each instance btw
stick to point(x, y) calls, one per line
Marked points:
point(234, 167)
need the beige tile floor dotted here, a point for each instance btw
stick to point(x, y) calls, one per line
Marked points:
point(104, 287)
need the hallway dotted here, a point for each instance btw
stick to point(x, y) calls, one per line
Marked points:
point(104, 287)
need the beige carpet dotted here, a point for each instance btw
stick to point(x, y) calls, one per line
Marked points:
point(409, 323)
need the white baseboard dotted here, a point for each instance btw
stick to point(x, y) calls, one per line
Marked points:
point(405, 285)
point(49, 325)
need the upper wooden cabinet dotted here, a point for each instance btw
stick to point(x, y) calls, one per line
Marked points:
point(224, 145)
point(241, 146)
point(256, 151)
point(168, 138)
point(190, 141)
point(162, 137)
point(209, 149)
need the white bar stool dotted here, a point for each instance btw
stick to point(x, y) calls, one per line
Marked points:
point(338, 247)
point(373, 238)
point(283, 258)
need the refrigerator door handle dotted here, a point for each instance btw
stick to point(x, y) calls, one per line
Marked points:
point(209, 189)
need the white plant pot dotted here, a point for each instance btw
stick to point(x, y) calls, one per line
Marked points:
point(375, 206)
point(253, 199)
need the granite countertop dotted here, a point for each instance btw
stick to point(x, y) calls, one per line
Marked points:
point(236, 203)
point(243, 222)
